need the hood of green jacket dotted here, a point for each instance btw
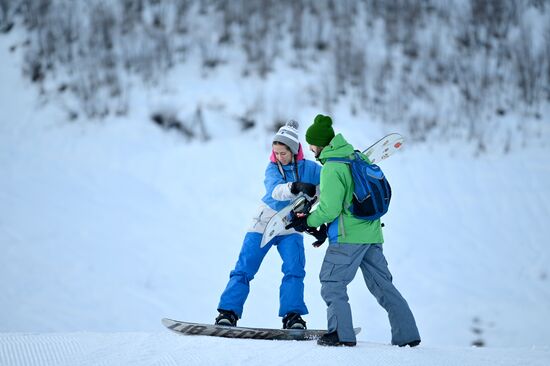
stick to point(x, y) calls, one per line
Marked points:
point(337, 148)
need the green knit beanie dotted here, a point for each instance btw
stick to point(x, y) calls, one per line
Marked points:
point(320, 133)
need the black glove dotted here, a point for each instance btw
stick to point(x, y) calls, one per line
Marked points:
point(307, 188)
point(299, 224)
point(319, 234)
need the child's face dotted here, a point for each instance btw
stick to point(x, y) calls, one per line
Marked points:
point(282, 154)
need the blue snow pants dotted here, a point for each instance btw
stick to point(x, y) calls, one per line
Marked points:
point(338, 270)
point(291, 292)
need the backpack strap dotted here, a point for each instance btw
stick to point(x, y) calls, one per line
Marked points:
point(340, 160)
point(341, 227)
point(354, 156)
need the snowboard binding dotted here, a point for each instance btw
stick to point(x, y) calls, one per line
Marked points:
point(302, 206)
point(278, 223)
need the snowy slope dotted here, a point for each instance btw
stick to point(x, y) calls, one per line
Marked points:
point(162, 349)
point(108, 227)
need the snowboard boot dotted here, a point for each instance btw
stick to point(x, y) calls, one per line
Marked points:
point(227, 317)
point(410, 344)
point(331, 339)
point(293, 321)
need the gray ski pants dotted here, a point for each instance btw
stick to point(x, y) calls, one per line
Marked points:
point(338, 270)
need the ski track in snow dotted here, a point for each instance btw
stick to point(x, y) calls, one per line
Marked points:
point(163, 349)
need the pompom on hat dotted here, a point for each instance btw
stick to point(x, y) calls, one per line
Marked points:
point(288, 135)
point(320, 133)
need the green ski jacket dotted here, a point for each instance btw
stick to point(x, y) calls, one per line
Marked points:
point(336, 197)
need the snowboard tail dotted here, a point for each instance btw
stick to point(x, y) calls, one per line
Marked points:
point(384, 148)
point(186, 328)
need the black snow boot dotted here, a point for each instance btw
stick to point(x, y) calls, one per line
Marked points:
point(227, 317)
point(331, 339)
point(293, 321)
point(411, 344)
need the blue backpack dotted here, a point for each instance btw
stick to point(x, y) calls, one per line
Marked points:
point(372, 192)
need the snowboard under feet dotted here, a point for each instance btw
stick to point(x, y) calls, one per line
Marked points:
point(212, 330)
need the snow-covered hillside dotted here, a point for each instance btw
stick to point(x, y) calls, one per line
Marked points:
point(108, 227)
point(465, 69)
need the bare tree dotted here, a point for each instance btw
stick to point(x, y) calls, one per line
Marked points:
point(6, 13)
point(131, 15)
point(528, 67)
point(547, 61)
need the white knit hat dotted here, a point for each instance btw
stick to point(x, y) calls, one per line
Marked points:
point(288, 135)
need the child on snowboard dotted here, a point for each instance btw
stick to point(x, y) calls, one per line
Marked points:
point(287, 174)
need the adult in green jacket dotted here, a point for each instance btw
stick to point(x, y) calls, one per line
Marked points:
point(337, 186)
point(353, 243)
